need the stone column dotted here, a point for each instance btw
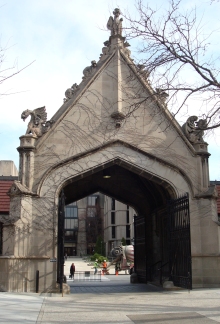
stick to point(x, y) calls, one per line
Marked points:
point(26, 163)
point(202, 151)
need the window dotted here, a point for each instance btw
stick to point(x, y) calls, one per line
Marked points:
point(113, 204)
point(91, 200)
point(71, 211)
point(113, 231)
point(112, 217)
point(70, 236)
point(71, 223)
point(127, 217)
point(128, 231)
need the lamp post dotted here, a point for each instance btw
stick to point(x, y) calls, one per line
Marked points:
point(101, 247)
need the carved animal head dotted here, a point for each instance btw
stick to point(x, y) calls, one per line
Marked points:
point(202, 123)
point(25, 114)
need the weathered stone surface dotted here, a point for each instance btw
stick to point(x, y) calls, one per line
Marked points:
point(143, 139)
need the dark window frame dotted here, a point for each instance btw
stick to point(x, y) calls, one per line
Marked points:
point(113, 218)
point(128, 231)
point(113, 231)
point(90, 200)
point(113, 204)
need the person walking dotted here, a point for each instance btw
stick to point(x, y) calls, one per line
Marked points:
point(104, 267)
point(72, 270)
point(95, 266)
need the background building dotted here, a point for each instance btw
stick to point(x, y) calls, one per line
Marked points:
point(118, 223)
point(8, 173)
point(83, 224)
point(94, 216)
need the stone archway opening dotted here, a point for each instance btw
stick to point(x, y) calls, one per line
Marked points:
point(146, 194)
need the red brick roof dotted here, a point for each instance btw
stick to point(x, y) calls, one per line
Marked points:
point(4, 198)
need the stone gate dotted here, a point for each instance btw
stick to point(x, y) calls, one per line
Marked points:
point(113, 120)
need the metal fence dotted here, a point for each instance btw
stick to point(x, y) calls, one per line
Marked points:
point(86, 276)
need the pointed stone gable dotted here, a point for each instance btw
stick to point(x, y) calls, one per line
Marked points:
point(112, 121)
point(113, 102)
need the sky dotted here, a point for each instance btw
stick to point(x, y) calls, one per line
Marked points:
point(53, 41)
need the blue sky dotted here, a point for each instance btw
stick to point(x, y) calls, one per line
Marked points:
point(61, 38)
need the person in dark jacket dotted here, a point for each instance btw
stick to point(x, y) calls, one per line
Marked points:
point(72, 270)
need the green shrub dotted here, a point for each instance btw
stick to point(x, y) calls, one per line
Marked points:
point(99, 257)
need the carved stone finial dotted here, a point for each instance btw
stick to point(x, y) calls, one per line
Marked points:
point(38, 125)
point(115, 24)
point(194, 130)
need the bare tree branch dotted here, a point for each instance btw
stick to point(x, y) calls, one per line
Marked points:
point(174, 49)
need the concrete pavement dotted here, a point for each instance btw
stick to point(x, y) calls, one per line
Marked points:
point(113, 300)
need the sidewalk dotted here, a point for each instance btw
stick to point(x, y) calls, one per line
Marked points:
point(114, 300)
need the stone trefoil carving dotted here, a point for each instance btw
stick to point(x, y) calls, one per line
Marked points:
point(115, 24)
point(38, 124)
point(194, 130)
point(69, 93)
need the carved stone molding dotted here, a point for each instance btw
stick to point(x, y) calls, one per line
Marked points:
point(118, 118)
point(89, 70)
point(70, 92)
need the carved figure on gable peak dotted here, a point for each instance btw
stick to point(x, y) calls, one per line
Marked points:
point(115, 24)
point(89, 70)
point(70, 92)
point(38, 124)
point(194, 130)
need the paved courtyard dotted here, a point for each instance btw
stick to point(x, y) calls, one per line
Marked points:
point(113, 300)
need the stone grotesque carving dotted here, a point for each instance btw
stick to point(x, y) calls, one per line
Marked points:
point(115, 24)
point(38, 125)
point(194, 130)
point(89, 70)
point(69, 93)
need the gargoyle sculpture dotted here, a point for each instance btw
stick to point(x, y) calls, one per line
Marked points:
point(194, 130)
point(115, 24)
point(38, 125)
